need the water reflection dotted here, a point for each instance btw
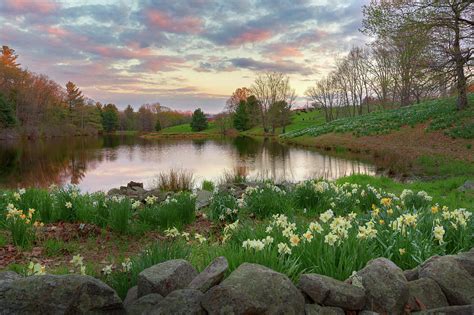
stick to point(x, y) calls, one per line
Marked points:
point(105, 162)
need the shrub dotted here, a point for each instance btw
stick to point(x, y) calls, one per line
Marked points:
point(175, 180)
point(266, 200)
point(223, 207)
point(207, 185)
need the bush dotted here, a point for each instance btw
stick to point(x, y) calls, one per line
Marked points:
point(207, 185)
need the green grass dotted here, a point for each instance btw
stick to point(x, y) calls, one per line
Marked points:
point(441, 115)
point(186, 128)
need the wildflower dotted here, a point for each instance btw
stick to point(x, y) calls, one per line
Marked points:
point(367, 231)
point(390, 211)
point(330, 239)
point(152, 199)
point(386, 202)
point(107, 270)
point(200, 238)
point(294, 240)
point(326, 216)
point(316, 227)
point(172, 232)
point(402, 251)
point(269, 229)
point(21, 191)
point(254, 244)
point(268, 240)
point(68, 205)
point(77, 260)
point(16, 196)
point(283, 249)
point(381, 222)
point(83, 270)
point(434, 209)
point(308, 236)
point(185, 235)
point(36, 269)
point(222, 217)
point(136, 204)
point(439, 233)
point(38, 224)
point(126, 265)
point(375, 212)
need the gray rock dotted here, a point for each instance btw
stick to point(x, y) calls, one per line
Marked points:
point(468, 185)
point(132, 295)
point(144, 304)
point(180, 302)
point(211, 276)
point(365, 312)
point(133, 184)
point(166, 277)
point(466, 260)
point(331, 292)
point(315, 309)
point(65, 294)
point(203, 199)
point(411, 274)
point(254, 289)
point(457, 284)
point(385, 286)
point(449, 310)
point(425, 293)
point(8, 276)
point(114, 192)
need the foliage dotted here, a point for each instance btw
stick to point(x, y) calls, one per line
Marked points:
point(110, 118)
point(223, 207)
point(7, 115)
point(199, 121)
point(266, 200)
point(241, 117)
point(157, 125)
point(207, 185)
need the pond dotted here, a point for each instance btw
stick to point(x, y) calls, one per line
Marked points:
point(102, 163)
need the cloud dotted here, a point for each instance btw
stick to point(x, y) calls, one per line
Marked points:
point(21, 7)
point(159, 20)
point(284, 66)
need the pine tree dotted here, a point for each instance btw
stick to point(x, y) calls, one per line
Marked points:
point(110, 119)
point(7, 117)
point(199, 120)
point(241, 117)
point(74, 95)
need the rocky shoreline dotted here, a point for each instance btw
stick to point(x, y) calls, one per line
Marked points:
point(440, 285)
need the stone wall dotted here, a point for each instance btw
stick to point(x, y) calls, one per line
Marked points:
point(440, 285)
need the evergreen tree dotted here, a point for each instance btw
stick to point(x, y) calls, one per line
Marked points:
point(110, 119)
point(241, 117)
point(130, 118)
point(7, 117)
point(157, 125)
point(199, 120)
point(74, 95)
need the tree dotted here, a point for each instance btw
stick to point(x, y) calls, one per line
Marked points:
point(253, 110)
point(73, 95)
point(7, 116)
point(110, 119)
point(279, 115)
point(240, 94)
point(157, 125)
point(241, 117)
point(223, 122)
point(130, 118)
point(146, 118)
point(199, 121)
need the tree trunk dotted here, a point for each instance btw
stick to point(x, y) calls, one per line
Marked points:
point(460, 77)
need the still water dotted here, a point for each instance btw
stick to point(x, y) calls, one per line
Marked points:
point(101, 163)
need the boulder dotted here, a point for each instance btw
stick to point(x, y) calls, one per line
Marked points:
point(166, 277)
point(366, 312)
point(449, 310)
point(180, 302)
point(203, 199)
point(133, 184)
point(466, 260)
point(132, 295)
point(331, 292)
point(211, 276)
point(411, 274)
point(425, 293)
point(65, 294)
point(144, 304)
point(467, 186)
point(315, 309)
point(457, 284)
point(385, 286)
point(254, 289)
point(8, 276)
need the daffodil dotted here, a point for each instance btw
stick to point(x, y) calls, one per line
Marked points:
point(402, 251)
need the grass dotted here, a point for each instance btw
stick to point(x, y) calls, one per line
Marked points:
point(186, 128)
point(175, 180)
point(441, 114)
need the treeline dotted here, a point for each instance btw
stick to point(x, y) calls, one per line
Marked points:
point(422, 49)
point(32, 105)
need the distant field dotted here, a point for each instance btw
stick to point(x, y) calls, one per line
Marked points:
point(440, 114)
point(186, 128)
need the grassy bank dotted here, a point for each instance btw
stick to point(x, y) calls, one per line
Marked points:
point(331, 228)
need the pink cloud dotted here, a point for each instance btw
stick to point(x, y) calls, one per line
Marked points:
point(163, 21)
point(30, 6)
point(162, 63)
point(124, 53)
point(251, 37)
point(279, 51)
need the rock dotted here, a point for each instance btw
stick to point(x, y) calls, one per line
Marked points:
point(411, 274)
point(468, 185)
point(133, 184)
point(331, 292)
point(144, 304)
point(211, 276)
point(8, 276)
point(180, 302)
point(466, 261)
point(166, 277)
point(365, 312)
point(132, 295)
point(114, 192)
point(52, 294)
point(457, 284)
point(425, 294)
point(203, 199)
point(315, 309)
point(254, 289)
point(385, 286)
point(449, 310)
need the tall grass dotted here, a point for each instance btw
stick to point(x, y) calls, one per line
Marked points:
point(120, 214)
point(267, 200)
point(175, 180)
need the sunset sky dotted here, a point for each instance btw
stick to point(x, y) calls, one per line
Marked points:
point(183, 54)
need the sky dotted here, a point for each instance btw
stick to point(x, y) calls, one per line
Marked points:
point(183, 54)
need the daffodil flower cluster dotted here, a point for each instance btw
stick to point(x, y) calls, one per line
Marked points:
point(174, 233)
point(36, 269)
point(77, 262)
